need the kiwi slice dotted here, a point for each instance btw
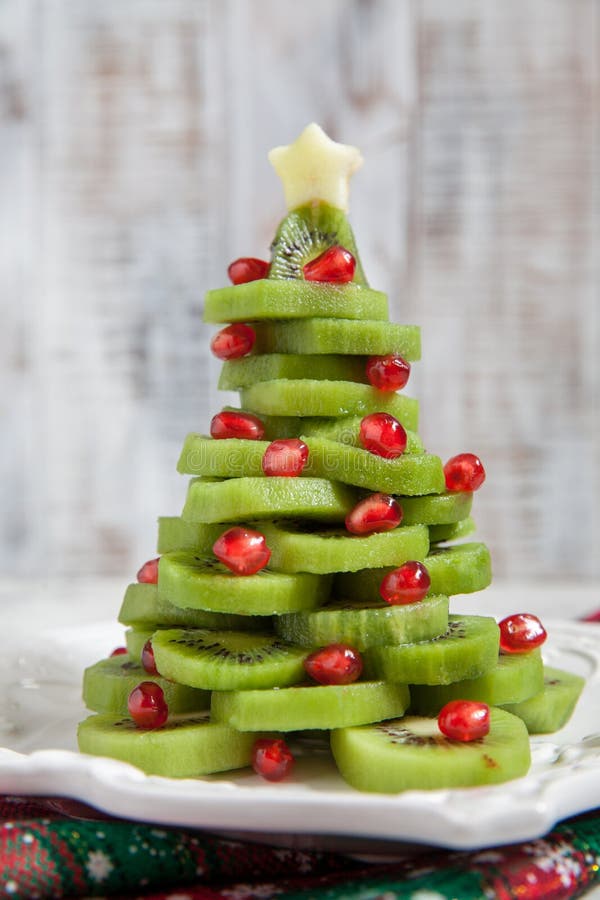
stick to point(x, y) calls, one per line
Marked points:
point(144, 608)
point(351, 337)
point(409, 474)
point(227, 660)
point(223, 458)
point(194, 582)
point(442, 509)
point(366, 624)
point(346, 430)
point(241, 373)
point(239, 458)
point(186, 746)
point(468, 649)
point(174, 533)
point(463, 569)
point(454, 532)
point(271, 299)
point(514, 678)
point(297, 547)
point(311, 397)
point(304, 234)
point(304, 707)
point(239, 499)
point(408, 753)
point(108, 684)
point(553, 706)
point(136, 637)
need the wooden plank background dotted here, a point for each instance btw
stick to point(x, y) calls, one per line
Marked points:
point(133, 141)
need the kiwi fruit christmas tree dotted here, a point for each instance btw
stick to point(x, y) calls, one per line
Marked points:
point(306, 583)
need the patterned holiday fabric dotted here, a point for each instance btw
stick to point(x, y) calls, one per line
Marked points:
point(58, 848)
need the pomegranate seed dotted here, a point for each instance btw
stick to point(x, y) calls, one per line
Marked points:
point(286, 457)
point(247, 268)
point(233, 341)
point(147, 706)
point(378, 512)
point(243, 551)
point(521, 633)
point(592, 617)
point(148, 661)
point(387, 373)
point(408, 584)
point(119, 651)
point(336, 265)
point(148, 574)
point(464, 472)
point(228, 424)
point(383, 435)
point(335, 664)
point(272, 758)
point(464, 720)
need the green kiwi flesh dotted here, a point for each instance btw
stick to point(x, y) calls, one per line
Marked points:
point(239, 499)
point(227, 660)
point(223, 458)
point(136, 637)
point(142, 607)
point(305, 707)
point(552, 708)
point(271, 299)
point(411, 473)
point(304, 234)
point(108, 683)
point(514, 678)
point(185, 747)
point(203, 583)
point(408, 474)
point(313, 397)
point(348, 337)
point(460, 569)
point(454, 532)
point(174, 533)
point(346, 430)
point(469, 648)
point(297, 547)
point(442, 509)
point(463, 569)
point(411, 753)
point(366, 624)
point(240, 373)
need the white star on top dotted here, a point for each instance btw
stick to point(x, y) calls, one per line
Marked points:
point(315, 168)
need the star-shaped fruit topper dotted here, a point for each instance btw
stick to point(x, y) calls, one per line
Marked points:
point(315, 168)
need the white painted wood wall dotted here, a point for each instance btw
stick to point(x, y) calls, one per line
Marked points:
point(133, 141)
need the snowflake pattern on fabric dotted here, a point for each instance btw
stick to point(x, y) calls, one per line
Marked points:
point(425, 895)
point(45, 854)
point(98, 865)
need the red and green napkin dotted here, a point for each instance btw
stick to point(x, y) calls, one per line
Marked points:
point(60, 848)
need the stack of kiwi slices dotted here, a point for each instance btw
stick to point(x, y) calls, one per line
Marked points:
point(305, 587)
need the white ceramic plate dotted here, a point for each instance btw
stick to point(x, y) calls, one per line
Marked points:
point(41, 706)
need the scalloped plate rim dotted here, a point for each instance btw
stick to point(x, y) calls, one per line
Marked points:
point(519, 810)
